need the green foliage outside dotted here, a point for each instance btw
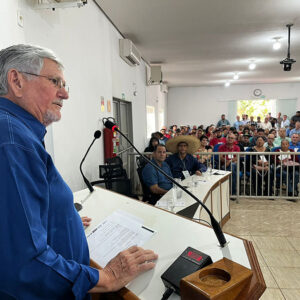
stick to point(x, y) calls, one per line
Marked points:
point(254, 108)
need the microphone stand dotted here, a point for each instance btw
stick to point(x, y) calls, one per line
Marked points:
point(215, 225)
point(97, 134)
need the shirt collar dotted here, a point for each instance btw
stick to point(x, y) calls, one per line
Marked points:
point(28, 119)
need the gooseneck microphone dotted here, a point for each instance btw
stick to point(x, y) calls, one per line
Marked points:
point(97, 135)
point(215, 225)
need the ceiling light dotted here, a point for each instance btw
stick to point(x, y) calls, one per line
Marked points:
point(227, 84)
point(252, 66)
point(277, 44)
point(236, 76)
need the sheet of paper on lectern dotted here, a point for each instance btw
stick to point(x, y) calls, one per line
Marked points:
point(117, 232)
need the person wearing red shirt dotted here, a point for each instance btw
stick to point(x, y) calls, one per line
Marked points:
point(228, 162)
point(217, 138)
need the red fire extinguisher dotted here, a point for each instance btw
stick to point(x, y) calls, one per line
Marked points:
point(111, 143)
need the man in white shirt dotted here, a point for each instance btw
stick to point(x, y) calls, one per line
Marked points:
point(266, 124)
point(285, 122)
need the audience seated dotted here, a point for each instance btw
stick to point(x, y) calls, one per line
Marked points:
point(237, 123)
point(295, 118)
point(287, 165)
point(270, 142)
point(182, 162)
point(204, 147)
point(217, 138)
point(245, 135)
point(295, 142)
point(261, 133)
point(285, 122)
point(260, 168)
point(154, 180)
point(296, 129)
point(266, 124)
point(152, 144)
point(282, 136)
point(228, 162)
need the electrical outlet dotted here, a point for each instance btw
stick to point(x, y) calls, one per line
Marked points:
point(20, 19)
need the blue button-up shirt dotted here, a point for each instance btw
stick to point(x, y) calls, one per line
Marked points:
point(237, 124)
point(151, 176)
point(294, 131)
point(189, 163)
point(44, 252)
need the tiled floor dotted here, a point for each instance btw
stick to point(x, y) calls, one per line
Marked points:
point(274, 229)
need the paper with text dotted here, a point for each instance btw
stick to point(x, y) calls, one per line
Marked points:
point(114, 234)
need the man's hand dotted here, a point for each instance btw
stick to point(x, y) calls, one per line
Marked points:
point(86, 221)
point(198, 173)
point(123, 268)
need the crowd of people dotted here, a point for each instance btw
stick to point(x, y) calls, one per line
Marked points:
point(246, 134)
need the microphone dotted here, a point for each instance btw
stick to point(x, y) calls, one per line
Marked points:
point(214, 223)
point(97, 135)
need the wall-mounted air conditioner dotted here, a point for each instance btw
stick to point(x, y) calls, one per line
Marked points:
point(164, 88)
point(53, 4)
point(129, 52)
point(154, 75)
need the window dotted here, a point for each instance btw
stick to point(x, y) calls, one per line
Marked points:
point(161, 118)
point(150, 120)
point(256, 108)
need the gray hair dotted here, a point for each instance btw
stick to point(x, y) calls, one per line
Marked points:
point(24, 58)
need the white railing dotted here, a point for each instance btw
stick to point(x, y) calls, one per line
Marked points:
point(262, 175)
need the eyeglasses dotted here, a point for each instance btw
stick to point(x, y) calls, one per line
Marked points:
point(58, 82)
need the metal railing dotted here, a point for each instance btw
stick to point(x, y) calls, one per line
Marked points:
point(265, 175)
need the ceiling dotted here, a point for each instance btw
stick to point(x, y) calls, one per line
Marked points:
point(204, 42)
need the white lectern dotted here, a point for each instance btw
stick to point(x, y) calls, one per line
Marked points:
point(173, 234)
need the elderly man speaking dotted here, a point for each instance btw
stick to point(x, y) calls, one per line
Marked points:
point(43, 246)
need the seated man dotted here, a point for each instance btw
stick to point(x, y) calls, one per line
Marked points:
point(260, 132)
point(281, 137)
point(153, 179)
point(228, 162)
point(217, 138)
point(182, 162)
point(270, 143)
point(295, 142)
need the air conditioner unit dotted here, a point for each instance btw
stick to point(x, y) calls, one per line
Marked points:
point(53, 4)
point(154, 75)
point(129, 52)
point(164, 88)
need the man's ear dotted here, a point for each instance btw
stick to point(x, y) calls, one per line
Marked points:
point(15, 82)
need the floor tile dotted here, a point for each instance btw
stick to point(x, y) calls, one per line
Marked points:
point(273, 227)
point(269, 279)
point(281, 258)
point(295, 242)
point(286, 278)
point(291, 294)
point(272, 294)
point(269, 242)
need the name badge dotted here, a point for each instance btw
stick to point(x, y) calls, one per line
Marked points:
point(262, 158)
point(186, 174)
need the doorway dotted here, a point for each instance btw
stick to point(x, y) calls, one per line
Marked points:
point(122, 112)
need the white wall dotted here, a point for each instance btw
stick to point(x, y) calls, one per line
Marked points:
point(204, 105)
point(87, 44)
point(154, 97)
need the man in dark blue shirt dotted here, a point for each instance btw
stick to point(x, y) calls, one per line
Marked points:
point(157, 182)
point(42, 242)
point(182, 162)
